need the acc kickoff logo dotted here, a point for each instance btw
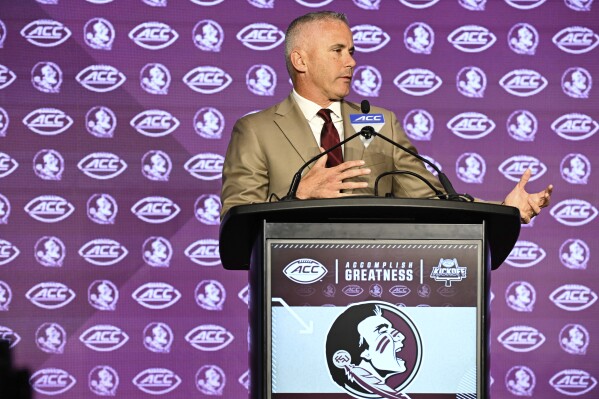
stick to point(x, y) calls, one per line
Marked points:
point(209, 338)
point(155, 123)
point(369, 38)
point(52, 381)
point(6, 77)
point(45, 33)
point(575, 126)
point(448, 271)
point(205, 166)
point(204, 252)
point(50, 295)
point(103, 252)
point(104, 338)
point(101, 78)
point(573, 382)
point(573, 297)
point(574, 212)
point(576, 40)
point(153, 35)
point(261, 36)
point(207, 79)
point(49, 208)
point(156, 295)
point(521, 338)
point(523, 82)
point(472, 38)
point(157, 381)
point(525, 254)
point(305, 271)
point(102, 165)
point(155, 209)
point(47, 121)
point(417, 81)
point(471, 125)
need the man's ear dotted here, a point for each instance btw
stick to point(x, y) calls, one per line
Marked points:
point(298, 60)
point(366, 355)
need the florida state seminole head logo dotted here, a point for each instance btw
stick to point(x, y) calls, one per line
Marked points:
point(373, 350)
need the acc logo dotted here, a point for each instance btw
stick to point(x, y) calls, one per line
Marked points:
point(158, 337)
point(261, 80)
point(522, 125)
point(210, 295)
point(155, 209)
point(574, 254)
point(367, 81)
point(573, 382)
point(6, 77)
point(103, 295)
point(102, 208)
point(261, 36)
point(577, 82)
point(104, 338)
point(51, 381)
point(417, 82)
point(48, 121)
point(207, 209)
point(101, 78)
point(209, 123)
point(418, 4)
point(156, 165)
point(471, 82)
point(574, 212)
point(204, 252)
point(352, 290)
point(576, 40)
point(205, 166)
point(523, 82)
point(103, 252)
point(45, 33)
point(471, 125)
point(100, 122)
point(419, 125)
point(6, 334)
point(525, 4)
point(521, 296)
point(50, 251)
point(155, 79)
point(419, 38)
point(305, 271)
point(156, 295)
point(5, 296)
point(525, 254)
point(4, 122)
point(157, 252)
point(8, 251)
point(473, 5)
point(4, 210)
point(103, 381)
point(579, 5)
point(207, 79)
point(399, 291)
point(153, 35)
point(49, 208)
point(46, 77)
point(520, 380)
point(99, 34)
point(154, 123)
point(521, 338)
point(575, 127)
point(51, 338)
point(512, 168)
point(305, 291)
point(369, 38)
point(209, 337)
point(574, 339)
point(471, 168)
point(523, 38)
point(472, 38)
point(48, 165)
point(210, 379)
point(102, 165)
point(7, 164)
point(50, 295)
point(575, 168)
point(208, 35)
point(573, 297)
point(157, 381)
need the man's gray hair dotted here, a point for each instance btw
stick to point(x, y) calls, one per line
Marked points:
point(295, 28)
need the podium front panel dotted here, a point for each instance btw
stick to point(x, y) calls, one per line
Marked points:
point(374, 317)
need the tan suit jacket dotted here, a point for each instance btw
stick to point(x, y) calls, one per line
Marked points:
point(268, 147)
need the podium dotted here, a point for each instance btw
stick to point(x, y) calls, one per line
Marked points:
point(368, 297)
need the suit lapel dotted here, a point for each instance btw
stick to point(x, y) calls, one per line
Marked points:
point(293, 125)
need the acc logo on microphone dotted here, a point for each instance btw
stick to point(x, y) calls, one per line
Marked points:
point(205, 166)
point(521, 338)
point(575, 127)
point(155, 209)
point(157, 381)
point(48, 121)
point(103, 252)
point(104, 338)
point(305, 271)
point(574, 212)
point(512, 168)
point(49, 208)
point(523, 82)
point(207, 79)
point(369, 38)
point(419, 4)
point(204, 252)
point(419, 38)
point(573, 382)
point(50, 295)
point(573, 297)
point(156, 295)
point(576, 40)
point(155, 123)
point(101, 78)
point(261, 36)
point(472, 38)
point(153, 35)
point(209, 337)
point(7, 164)
point(525, 4)
point(525, 254)
point(8, 251)
point(417, 82)
point(102, 165)
point(4, 122)
point(45, 33)
point(52, 381)
point(6, 77)
point(471, 125)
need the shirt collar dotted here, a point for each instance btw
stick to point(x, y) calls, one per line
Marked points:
point(310, 108)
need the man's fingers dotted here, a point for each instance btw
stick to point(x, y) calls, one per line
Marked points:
point(524, 178)
point(349, 164)
point(536, 209)
point(348, 174)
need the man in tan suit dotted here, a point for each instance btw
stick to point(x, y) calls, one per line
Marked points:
point(268, 147)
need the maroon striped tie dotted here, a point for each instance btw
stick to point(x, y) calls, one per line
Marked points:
point(329, 136)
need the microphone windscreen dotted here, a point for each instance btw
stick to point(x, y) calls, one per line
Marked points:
point(365, 106)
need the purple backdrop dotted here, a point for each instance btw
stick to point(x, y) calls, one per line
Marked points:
point(114, 119)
